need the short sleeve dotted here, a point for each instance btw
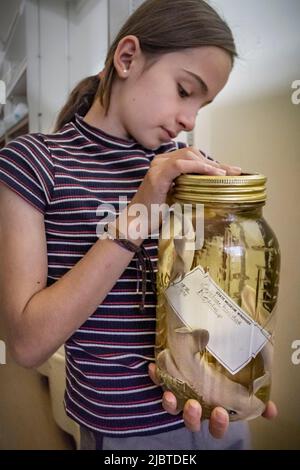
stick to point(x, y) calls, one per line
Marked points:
point(26, 167)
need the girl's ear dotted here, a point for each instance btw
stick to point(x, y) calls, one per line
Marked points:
point(127, 52)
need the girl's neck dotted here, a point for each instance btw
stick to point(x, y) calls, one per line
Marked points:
point(108, 123)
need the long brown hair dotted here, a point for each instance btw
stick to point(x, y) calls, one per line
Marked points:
point(162, 26)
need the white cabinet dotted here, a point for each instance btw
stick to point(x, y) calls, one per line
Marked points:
point(48, 46)
point(13, 67)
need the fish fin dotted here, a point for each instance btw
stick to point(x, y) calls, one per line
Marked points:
point(202, 338)
point(184, 330)
point(261, 382)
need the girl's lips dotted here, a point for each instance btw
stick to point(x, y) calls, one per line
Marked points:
point(171, 134)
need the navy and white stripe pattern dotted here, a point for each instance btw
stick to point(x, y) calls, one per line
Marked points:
point(66, 176)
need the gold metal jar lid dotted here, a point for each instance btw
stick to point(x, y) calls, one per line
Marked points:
point(240, 189)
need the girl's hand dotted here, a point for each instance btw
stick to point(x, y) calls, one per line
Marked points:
point(166, 167)
point(219, 419)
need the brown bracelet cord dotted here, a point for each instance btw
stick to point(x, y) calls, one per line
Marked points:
point(143, 262)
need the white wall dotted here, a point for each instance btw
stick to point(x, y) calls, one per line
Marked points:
point(255, 125)
point(88, 36)
point(268, 43)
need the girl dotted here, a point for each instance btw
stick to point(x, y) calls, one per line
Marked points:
point(59, 282)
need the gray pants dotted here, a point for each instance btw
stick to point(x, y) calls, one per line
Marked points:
point(236, 438)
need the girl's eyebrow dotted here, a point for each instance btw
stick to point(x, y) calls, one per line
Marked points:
point(199, 80)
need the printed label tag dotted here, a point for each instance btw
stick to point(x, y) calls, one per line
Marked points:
point(234, 337)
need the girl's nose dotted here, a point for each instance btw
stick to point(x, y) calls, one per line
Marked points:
point(187, 121)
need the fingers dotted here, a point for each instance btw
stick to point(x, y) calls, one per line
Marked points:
point(271, 411)
point(185, 166)
point(231, 170)
point(169, 403)
point(198, 154)
point(218, 422)
point(192, 413)
point(208, 167)
point(152, 373)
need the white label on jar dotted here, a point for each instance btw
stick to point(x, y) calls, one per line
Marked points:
point(234, 337)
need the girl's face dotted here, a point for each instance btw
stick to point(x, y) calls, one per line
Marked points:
point(155, 103)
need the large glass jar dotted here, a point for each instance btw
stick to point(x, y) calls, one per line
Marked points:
point(218, 276)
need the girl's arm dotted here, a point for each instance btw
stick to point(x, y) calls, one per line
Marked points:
point(40, 319)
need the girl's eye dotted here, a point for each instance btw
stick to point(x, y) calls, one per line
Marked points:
point(182, 92)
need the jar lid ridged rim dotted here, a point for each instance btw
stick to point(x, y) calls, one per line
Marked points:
point(233, 189)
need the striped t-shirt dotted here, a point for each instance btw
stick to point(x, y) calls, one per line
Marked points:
point(66, 176)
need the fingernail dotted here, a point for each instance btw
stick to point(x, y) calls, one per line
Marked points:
point(220, 417)
point(193, 406)
point(170, 406)
point(193, 409)
point(170, 402)
point(221, 172)
point(237, 168)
